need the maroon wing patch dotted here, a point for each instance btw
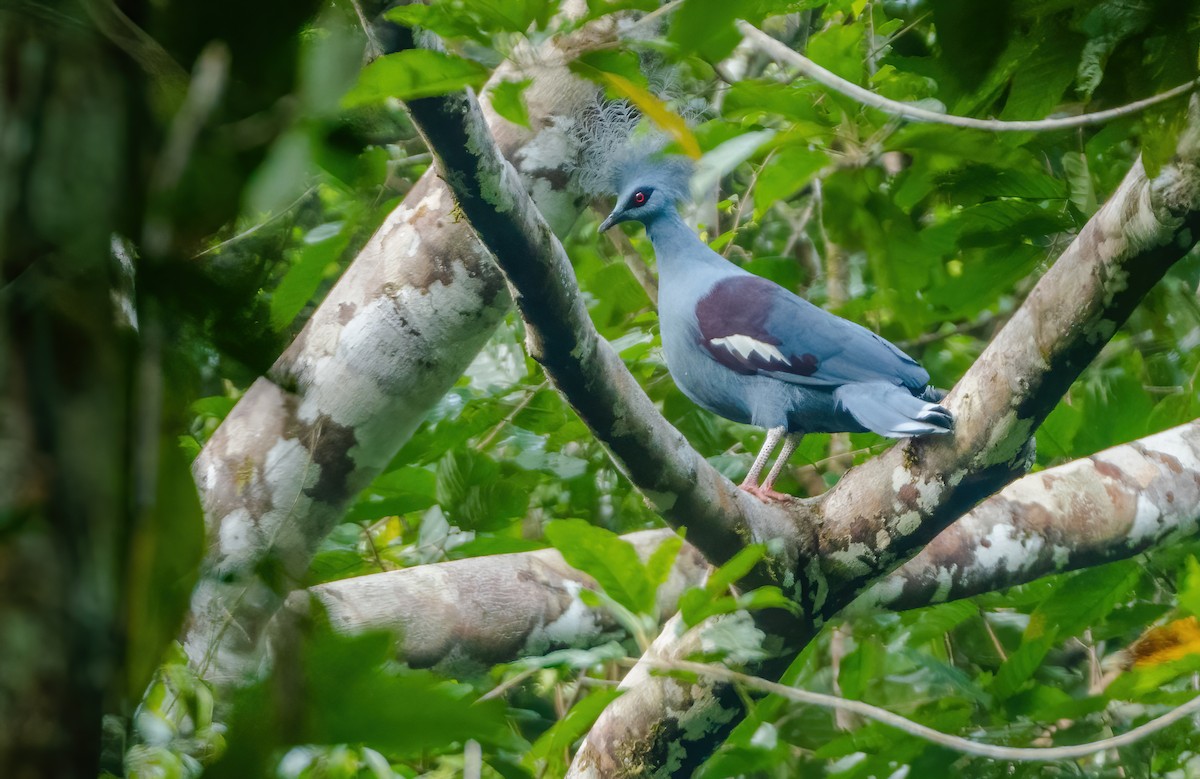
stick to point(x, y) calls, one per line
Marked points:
point(733, 328)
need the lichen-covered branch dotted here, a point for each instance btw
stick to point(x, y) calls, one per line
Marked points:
point(1110, 506)
point(355, 384)
point(880, 513)
point(684, 488)
point(467, 615)
point(884, 511)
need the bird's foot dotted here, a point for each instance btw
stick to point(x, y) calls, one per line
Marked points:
point(765, 494)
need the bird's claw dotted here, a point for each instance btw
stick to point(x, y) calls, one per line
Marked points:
point(765, 494)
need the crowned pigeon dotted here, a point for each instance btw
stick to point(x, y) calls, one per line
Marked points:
point(745, 348)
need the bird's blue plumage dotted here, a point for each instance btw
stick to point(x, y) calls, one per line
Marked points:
point(743, 347)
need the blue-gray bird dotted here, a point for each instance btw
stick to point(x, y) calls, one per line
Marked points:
point(743, 347)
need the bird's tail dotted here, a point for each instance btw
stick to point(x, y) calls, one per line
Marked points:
point(893, 411)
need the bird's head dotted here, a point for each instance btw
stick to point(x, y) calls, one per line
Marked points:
point(650, 189)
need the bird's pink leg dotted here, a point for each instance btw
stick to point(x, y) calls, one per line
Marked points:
point(789, 445)
point(750, 483)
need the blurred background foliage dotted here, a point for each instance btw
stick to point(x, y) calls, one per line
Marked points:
point(929, 235)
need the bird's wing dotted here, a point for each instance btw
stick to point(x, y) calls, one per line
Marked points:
point(753, 326)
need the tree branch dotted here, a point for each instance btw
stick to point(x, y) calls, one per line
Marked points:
point(1110, 506)
point(373, 359)
point(466, 615)
point(881, 512)
point(956, 743)
point(581, 364)
point(780, 53)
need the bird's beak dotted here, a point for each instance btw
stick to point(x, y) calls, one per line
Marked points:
point(608, 222)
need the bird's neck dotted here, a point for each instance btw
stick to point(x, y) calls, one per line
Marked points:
point(677, 247)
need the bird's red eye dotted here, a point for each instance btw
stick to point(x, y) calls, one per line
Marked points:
point(639, 197)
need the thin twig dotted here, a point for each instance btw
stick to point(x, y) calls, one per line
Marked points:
point(472, 760)
point(872, 64)
point(517, 409)
point(366, 527)
point(508, 684)
point(957, 743)
point(812, 70)
point(374, 48)
point(745, 198)
point(252, 230)
point(147, 52)
point(985, 319)
point(665, 8)
point(636, 264)
point(905, 29)
point(204, 93)
point(992, 635)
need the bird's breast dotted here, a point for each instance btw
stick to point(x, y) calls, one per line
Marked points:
point(703, 380)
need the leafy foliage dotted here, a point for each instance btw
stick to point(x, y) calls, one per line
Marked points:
point(929, 235)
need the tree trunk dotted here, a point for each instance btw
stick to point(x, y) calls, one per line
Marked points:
point(67, 123)
point(389, 340)
point(879, 514)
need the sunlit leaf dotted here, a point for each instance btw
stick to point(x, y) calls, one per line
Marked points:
point(506, 99)
point(571, 727)
point(706, 26)
point(670, 122)
point(414, 73)
point(608, 559)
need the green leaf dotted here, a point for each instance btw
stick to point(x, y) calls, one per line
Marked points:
point(1015, 54)
point(1085, 598)
point(1056, 436)
point(300, 282)
point(934, 622)
point(1162, 126)
point(162, 564)
point(1079, 180)
point(722, 160)
point(574, 658)
point(460, 471)
point(478, 20)
point(1145, 681)
point(1106, 25)
point(943, 674)
point(336, 674)
point(1039, 84)
point(412, 74)
point(787, 172)
point(1189, 587)
point(506, 98)
point(990, 181)
point(662, 560)
point(699, 603)
point(622, 62)
point(1174, 410)
point(607, 558)
point(768, 597)
point(216, 406)
point(1021, 665)
point(559, 738)
point(861, 667)
point(839, 48)
point(656, 110)
point(706, 26)
point(406, 480)
point(1119, 398)
point(738, 566)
